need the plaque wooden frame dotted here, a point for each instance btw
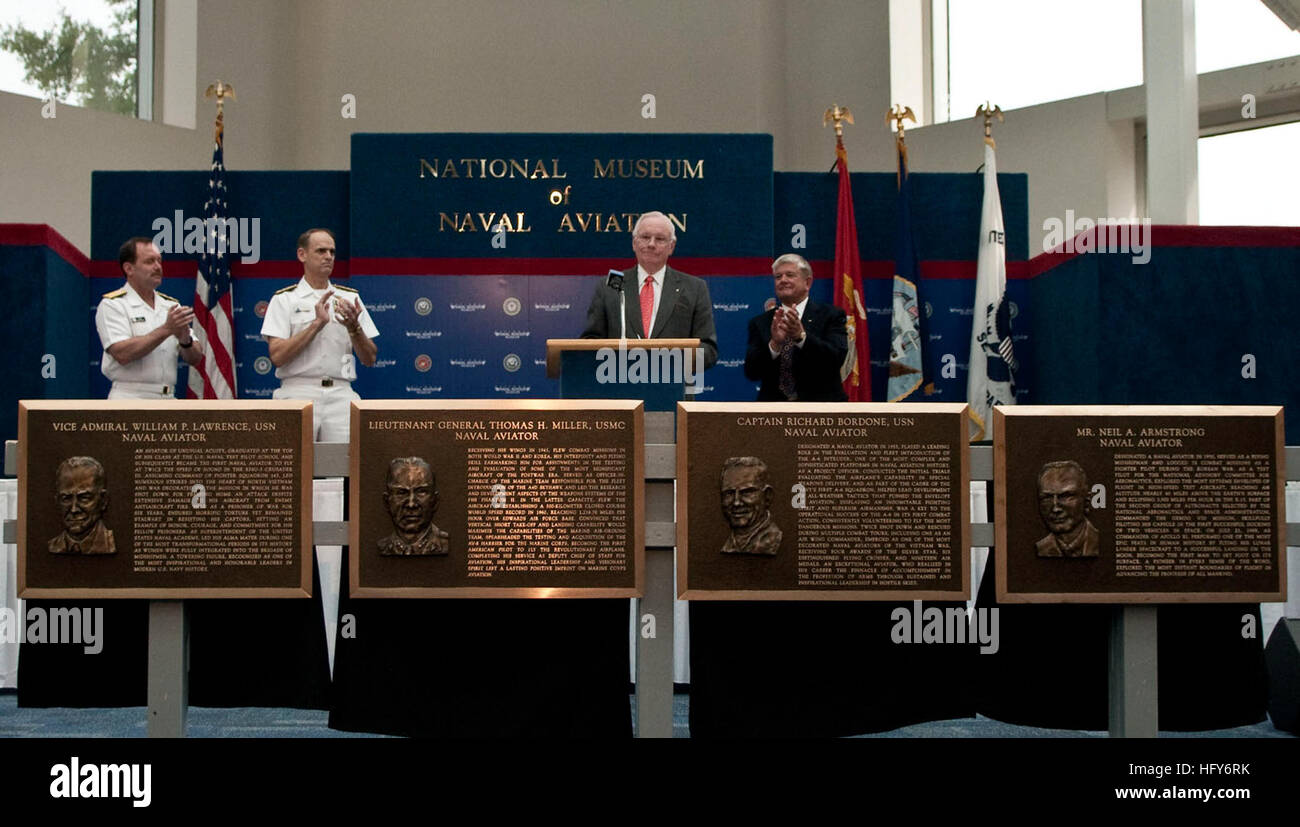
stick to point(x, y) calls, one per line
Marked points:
point(1001, 415)
point(957, 412)
point(498, 406)
point(303, 442)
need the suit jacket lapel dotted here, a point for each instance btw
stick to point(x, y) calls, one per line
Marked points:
point(811, 314)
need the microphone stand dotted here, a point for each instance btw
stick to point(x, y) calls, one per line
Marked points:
point(615, 281)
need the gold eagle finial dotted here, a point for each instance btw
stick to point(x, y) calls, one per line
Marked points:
point(989, 114)
point(837, 115)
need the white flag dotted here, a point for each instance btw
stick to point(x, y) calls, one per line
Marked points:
point(992, 364)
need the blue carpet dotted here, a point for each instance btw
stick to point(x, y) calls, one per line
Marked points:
point(249, 722)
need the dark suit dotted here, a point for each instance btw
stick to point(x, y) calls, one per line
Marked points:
point(1047, 547)
point(816, 364)
point(685, 312)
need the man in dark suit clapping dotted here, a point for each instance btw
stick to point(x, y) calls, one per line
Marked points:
point(796, 349)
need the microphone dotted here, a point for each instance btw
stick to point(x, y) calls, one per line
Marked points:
point(615, 281)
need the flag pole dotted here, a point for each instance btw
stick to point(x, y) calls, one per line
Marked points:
point(214, 377)
point(894, 117)
point(991, 366)
point(219, 90)
point(855, 372)
point(907, 371)
point(989, 113)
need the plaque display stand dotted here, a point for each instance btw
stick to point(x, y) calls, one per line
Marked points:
point(1283, 657)
point(574, 362)
point(169, 644)
point(1134, 679)
point(1178, 638)
point(1132, 650)
point(582, 369)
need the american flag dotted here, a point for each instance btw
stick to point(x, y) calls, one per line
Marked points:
point(215, 378)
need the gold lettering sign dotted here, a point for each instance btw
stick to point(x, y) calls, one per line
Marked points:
point(648, 168)
point(488, 222)
point(491, 168)
point(613, 222)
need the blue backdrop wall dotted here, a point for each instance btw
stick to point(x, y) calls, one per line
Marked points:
point(465, 311)
point(44, 338)
point(1209, 319)
point(1206, 320)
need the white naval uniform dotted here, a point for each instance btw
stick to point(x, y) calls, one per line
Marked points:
point(122, 315)
point(324, 370)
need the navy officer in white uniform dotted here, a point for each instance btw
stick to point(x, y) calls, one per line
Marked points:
point(142, 330)
point(312, 330)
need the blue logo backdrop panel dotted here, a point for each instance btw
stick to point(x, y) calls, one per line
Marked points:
point(487, 245)
point(461, 318)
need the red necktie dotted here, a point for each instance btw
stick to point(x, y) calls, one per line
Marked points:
point(647, 304)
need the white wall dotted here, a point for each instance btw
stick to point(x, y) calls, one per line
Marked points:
point(553, 66)
point(1076, 159)
point(45, 163)
point(581, 66)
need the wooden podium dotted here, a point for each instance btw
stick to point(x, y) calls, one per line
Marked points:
point(654, 370)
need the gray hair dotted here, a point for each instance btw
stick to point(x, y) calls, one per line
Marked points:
point(805, 269)
point(672, 231)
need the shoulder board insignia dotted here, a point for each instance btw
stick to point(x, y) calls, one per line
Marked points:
point(116, 294)
point(167, 297)
point(286, 289)
point(341, 287)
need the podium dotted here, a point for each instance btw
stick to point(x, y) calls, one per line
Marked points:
point(655, 371)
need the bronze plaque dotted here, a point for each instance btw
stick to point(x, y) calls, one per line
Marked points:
point(164, 500)
point(822, 501)
point(1139, 504)
point(497, 498)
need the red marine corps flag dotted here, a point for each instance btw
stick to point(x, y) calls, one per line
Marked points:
point(856, 371)
point(215, 377)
